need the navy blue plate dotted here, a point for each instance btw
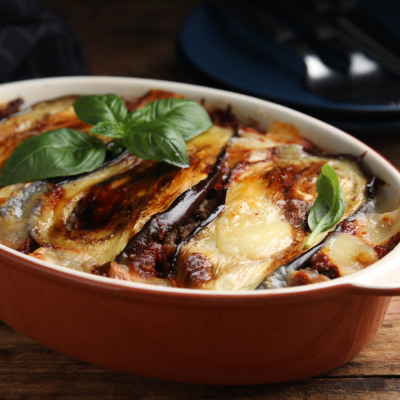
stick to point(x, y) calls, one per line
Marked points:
point(223, 51)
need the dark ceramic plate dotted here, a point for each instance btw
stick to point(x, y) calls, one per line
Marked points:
point(219, 49)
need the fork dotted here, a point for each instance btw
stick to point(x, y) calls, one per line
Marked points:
point(353, 87)
point(362, 70)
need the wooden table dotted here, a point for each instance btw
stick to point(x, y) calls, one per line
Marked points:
point(138, 38)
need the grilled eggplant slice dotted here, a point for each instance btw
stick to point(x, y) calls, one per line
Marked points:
point(18, 206)
point(40, 118)
point(99, 212)
point(263, 224)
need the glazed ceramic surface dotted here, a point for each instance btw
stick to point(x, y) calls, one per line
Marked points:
point(191, 335)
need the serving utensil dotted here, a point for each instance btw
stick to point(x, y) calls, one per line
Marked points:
point(372, 37)
point(364, 82)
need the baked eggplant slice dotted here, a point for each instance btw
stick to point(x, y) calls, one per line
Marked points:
point(17, 205)
point(41, 118)
point(263, 224)
point(99, 212)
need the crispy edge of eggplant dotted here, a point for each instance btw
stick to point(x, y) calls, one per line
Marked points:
point(304, 259)
point(220, 205)
point(180, 210)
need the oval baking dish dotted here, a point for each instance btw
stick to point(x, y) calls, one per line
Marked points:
point(195, 336)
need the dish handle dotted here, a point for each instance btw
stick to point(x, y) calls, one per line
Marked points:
point(385, 283)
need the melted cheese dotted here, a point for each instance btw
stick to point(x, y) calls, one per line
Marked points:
point(348, 253)
point(69, 258)
point(377, 228)
point(251, 225)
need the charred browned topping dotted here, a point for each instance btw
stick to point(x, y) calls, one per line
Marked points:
point(349, 227)
point(321, 263)
point(29, 246)
point(383, 249)
point(291, 183)
point(224, 118)
point(152, 262)
point(238, 158)
point(101, 270)
point(112, 203)
point(10, 108)
point(56, 194)
point(119, 272)
point(197, 271)
point(305, 277)
point(238, 170)
point(149, 97)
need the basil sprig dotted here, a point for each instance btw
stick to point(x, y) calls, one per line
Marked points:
point(329, 206)
point(157, 131)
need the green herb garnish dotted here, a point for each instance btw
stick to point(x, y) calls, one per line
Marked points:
point(329, 206)
point(157, 131)
point(62, 152)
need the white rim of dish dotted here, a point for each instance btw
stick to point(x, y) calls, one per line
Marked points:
point(362, 279)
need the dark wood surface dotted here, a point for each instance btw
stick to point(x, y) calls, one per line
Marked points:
point(138, 38)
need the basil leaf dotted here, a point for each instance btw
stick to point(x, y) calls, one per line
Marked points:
point(137, 117)
point(188, 117)
point(116, 147)
point(62, 152)
point(110, 129)
point(159, 141)
point(95, 109)
point(329, 206)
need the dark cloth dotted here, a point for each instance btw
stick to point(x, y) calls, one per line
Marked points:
point(35, 43)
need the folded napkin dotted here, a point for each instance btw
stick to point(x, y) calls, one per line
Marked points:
point(35, 42)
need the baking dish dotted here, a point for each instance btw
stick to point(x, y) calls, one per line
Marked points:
point(199, 336)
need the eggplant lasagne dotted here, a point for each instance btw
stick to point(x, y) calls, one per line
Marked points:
point(235, 219)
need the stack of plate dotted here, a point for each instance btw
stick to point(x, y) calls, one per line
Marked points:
point(219, 50)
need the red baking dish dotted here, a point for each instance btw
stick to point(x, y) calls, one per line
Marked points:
point(195, 336)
